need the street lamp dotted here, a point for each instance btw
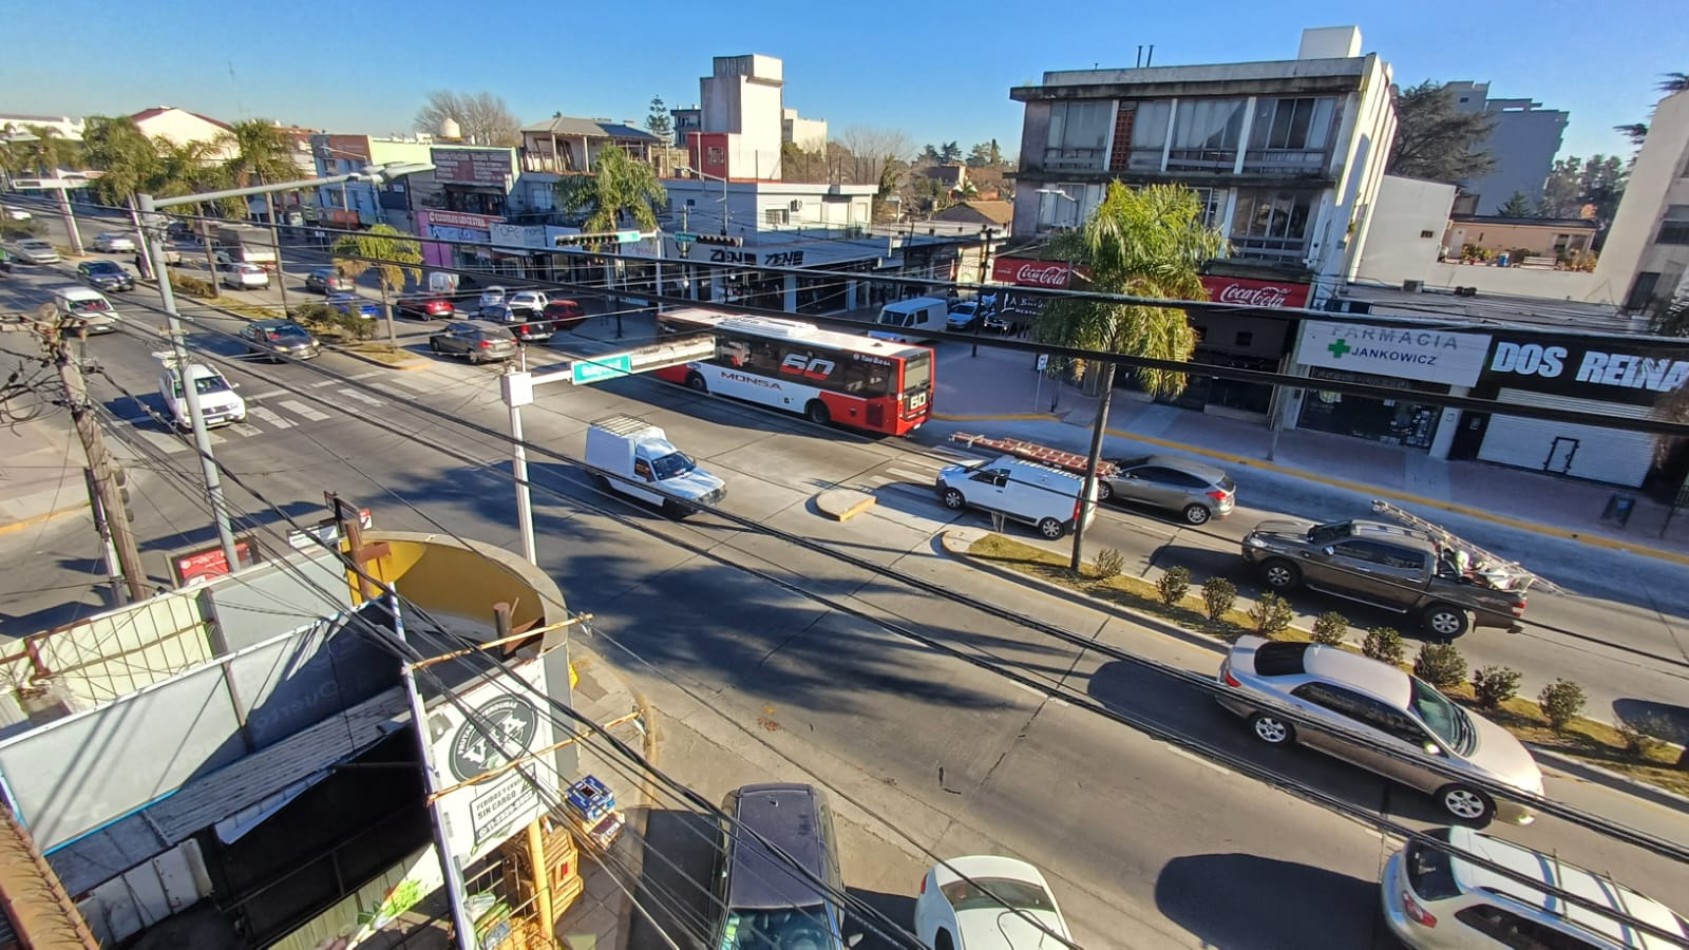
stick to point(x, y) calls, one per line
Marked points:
point(726, 215)
point(150, 207)
point(1061, 194)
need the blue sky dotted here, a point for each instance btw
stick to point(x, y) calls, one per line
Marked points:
point(935, 71)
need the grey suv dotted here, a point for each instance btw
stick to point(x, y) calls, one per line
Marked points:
point(1196, 491)
point(779, 883)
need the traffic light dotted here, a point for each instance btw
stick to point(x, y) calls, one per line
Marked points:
point(580, 240)
point(721, 239)
point(120, 478)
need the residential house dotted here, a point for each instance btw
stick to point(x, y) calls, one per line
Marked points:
point(566, 145)
point(998, 215)
point(179, 126)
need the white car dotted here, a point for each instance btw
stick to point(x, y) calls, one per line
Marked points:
point(245, 276)
point(113, 242)
point(532, 299)
point(18, 214)
point(218, 401)
point(491, 297)
point(36, 251)
point(990, 902)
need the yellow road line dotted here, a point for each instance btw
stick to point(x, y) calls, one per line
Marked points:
point(41, 518)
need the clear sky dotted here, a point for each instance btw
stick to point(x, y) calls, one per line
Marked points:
point(936, 71)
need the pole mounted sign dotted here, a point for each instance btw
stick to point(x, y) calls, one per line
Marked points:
point(602, 368)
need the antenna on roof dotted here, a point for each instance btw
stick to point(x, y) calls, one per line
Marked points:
point(1150, 59)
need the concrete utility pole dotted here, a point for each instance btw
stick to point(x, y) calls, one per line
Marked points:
point(106, 478)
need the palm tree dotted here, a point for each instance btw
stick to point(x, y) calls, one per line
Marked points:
point(185, 168)
point(260, 156)
point(128, 159)
point(44, 151)
point(1637, 132)
point(390, 254)
point(1149, 242)
point(1674, 82)
point(619, 188)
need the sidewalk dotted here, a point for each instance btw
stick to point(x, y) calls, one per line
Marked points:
point(40, 472)
point(999, 393)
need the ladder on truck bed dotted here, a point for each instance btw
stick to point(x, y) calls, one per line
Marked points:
point(1500, 572)
point(1033, 452)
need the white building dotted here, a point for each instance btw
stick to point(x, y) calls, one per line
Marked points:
point(15, 123)
point(180, 127)
point(807, 134)
point(1646, 256)
point(742, 120)
point(1402, 235)
point(1286, 154)
point(746, 209)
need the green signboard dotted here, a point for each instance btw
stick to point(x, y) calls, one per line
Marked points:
point(593, 371)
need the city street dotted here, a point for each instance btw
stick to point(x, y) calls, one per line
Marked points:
point(929, 717)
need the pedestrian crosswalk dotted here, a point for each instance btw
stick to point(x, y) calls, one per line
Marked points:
point(267, 412)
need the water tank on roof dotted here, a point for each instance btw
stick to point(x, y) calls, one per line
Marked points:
point(449, 129)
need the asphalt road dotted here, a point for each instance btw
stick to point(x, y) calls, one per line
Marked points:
point(765, 659)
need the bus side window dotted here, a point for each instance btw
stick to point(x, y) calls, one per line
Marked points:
point(855, 378)
point(735, 353)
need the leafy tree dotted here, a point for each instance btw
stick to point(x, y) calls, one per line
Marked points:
point(260, 157)
point(1674, 83)
point(1517, 206)
point(658, 121)
point(928, 153)
point(870, 150)
point(1436, 141)
point(481, 117)
point(129, 160)
point(985, 155)
point(1671, 317)
point(1561, 195)
point(799, 165)
point(949, 152)
point(1637, 132)
point(1148, 242)
point(393, 257)
point(1602, 184)
point(620, 188)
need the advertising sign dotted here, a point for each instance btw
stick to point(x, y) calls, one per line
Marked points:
point(1430, 356)
point(1244, 292)
point(1601, 369)
point(489, 799)
point(208, 562)
point(462, 219)
point(1025, 272)
point(517, 235)
point(467, 166)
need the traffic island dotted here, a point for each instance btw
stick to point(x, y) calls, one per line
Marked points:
point(843, 504)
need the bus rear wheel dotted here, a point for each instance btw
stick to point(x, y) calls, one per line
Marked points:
point(817, 413)
point(695, 382)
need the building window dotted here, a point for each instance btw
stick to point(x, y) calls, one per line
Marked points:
point(777, 216)
point(1272, 224)
point(1427, 235)
point(1674, 229)
point(1642, 292)
point(1078, 132)
point(1149, 135)
point(1205, 135)
point(1245, 338)
point(1213, 205)
point(1290, 134)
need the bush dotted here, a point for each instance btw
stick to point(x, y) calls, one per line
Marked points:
point(1494, 685)
point(1561, 701)
point(1516, 257)
point(193, 286)
point(1173, 585)
point(1271, 615)
point(1330, 628)
point(1218, 595)
point(1384, 644)
point(1440, 664)
point(1636, 742)
point(1108, 564)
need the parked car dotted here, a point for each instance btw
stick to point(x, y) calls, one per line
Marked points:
point(35, 251)
point(1367, 701)
point(527, 300)
point(492, 296)
point(765, 901)
point(17, 214)
point(564, 314)
point(1387, 566)
point(105, 275)
point(964, 315)
point(475, 340)
point(113, 242)
point(89, 308)
point(642, 454)
point(245, 276)
point(1435, 900)
point(280, 339)
point(354, 305)
point(426, 306)
point(987, 901)
point(218, 401)
point(526, 324)
point(1023, 491)
point(329, 280)
point(1198, 492)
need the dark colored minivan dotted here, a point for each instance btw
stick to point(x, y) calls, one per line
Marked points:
point(782, 893)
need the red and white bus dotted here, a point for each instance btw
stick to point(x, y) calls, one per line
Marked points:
point(874, 385)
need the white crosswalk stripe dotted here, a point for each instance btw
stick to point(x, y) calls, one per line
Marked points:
point(411, 382)
point(269, 415)
point(908, 476)
point(362, 397)
point(300, 409)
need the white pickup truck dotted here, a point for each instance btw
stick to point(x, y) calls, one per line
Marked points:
point(641, 453)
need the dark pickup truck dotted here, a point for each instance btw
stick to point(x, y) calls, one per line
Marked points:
point(1388, 566)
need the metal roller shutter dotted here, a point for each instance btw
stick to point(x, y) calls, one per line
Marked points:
point(1615, 456)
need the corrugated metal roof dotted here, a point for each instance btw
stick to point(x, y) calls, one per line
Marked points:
point(592, 128)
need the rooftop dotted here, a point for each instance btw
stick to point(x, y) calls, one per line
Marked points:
point(591, 128)
point(1561, 224)
point(157, 111)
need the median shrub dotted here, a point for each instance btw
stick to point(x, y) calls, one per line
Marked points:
point(1636, 742)
point(1271, 615)
point(1108, 564)
point(1440, 664)
point(1494, 685)
point(1330, 628)
point(1561, 702)
point(1384, 644)
point(1218, 595)
point(1173, 585)
point(192, 286)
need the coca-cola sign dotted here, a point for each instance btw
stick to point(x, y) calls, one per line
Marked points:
point(1268, 294)
point(1025, 272)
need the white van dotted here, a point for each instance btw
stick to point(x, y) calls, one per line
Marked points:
point(1044, 497)
point(88, 307)
point(218, 401)
point(905, 319)
point(638, 451)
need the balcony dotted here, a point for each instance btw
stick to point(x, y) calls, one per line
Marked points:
point(1218, 161)
point(1299, 162)
point(554, 164)
point(1075, 159)
point(1277, 250)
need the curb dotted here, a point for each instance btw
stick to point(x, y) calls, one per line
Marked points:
point(1624, 783)
point(23, 524)
point(998, 417)
point(408, 366)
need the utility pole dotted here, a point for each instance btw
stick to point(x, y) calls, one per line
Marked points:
point(1089, 490)
point(105, 476)
point(979, 302)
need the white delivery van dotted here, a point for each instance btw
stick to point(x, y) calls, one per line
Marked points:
point(905, 320)
point(1044, 497)
point(638, 451)
point(218, 401)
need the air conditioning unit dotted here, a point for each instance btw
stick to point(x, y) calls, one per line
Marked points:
point(797, 204)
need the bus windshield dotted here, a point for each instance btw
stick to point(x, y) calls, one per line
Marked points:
point(917, 373)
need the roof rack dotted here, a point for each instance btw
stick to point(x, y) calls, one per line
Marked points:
point(1033, 452)
point(1498, 572)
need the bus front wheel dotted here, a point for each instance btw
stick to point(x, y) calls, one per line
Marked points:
point(695, 382)
point(817, 413)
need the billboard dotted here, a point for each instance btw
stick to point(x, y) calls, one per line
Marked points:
point(1431, 356)
point(472, 166)
point(1025, 272)
point(1245, 292)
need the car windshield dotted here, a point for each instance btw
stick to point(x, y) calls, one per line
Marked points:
point(204, 385)
point(672, 464)
point(104, 267)
point(917, 374)
point(1446, 721)
point(986, 893)
point(89, 306)
point(778, 929)
point(289, 333)
point(1328, 533)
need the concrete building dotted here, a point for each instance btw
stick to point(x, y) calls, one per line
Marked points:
point(1524, 138)
point(686, 121)
point(742, 118)
point(360, 204)
point(1550, 239)
point(1405, 231)
point(807, 134)
point(1286, 154)
point(13, 123)
point(1646, 257)
point(181, 127)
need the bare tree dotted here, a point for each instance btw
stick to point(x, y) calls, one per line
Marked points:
point(871, 149)
point(482, 118)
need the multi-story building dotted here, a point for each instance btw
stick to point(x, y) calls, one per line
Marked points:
point(1524, 138)
point(1646, 257)
point(566, 145)
point(807, 134)
point(1286, 154)
point(743, 120)
point(360, 204)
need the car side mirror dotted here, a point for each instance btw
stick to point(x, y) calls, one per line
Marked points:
point(1328, 551)
point(853, 940)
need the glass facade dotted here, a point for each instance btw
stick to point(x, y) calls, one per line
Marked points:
point(1206, 133)
point(1290, 135)
point(1078, 134)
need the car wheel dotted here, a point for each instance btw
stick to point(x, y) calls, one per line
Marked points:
point(695, 382)
point(817, 413)
point(434, 345)
point(1466, 804)
point(953, 500)
point(1105, 491)
point(1281, 575)
point(1052, 529)
point(1446, 621)
point(1197, 514)
point(1271, 729)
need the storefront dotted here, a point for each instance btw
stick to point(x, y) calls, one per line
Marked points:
point(1411, 360)
point(473, 230)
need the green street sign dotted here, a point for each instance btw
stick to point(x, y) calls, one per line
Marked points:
point(627, 237)
point(610, 367)
point(684, 237)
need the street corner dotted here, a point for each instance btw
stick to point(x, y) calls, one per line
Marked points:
point(959, 542)
point(843, 504)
